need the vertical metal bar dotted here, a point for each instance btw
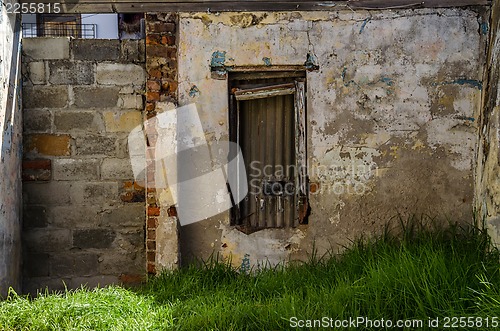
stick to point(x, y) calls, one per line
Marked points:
point(252, 117)
point(272, 104)
point(279, 156)
point(262, 143)
point(288, 162)
point(233, 137)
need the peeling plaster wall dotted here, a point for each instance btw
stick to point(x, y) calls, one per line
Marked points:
point(391, 117)
point(488, 169)
point(10, 154)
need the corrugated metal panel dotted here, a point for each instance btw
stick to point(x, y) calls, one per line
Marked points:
point(268, 146)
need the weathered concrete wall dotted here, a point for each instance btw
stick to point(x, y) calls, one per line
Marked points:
point(488, 157)
point(392, 117)
point(10, 153)
point(83, 212)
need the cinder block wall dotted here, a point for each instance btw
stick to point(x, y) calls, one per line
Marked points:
point(83, 212)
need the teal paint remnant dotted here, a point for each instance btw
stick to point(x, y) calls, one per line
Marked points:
point(484, 28)
point(311, 62)
point(194, 91)
point(465, 118)
point(218, 59)
point(366, 20)
point(245, 264)
point(348, 83)
point(387, 81)
point(267, 61)
point(462, 81)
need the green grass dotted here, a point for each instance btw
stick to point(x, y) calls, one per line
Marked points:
point(424, 272)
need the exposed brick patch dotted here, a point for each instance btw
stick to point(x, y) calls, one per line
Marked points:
point(151, 268)
point(151, 222)
point(133, 192)
point(161, 54)
point(172, 211)
point(37, 170)
point(153, 211)
point(151, 245)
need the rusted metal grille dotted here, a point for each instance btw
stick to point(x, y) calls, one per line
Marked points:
point(65, 29)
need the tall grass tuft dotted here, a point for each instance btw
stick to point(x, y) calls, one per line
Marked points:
point(414, 270)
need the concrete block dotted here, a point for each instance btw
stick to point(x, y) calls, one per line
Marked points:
point(75, 121)
point(46, 48)
point(115, 263)
point(94, 194)
point(126, 215)
point(74, 263)
point(95, 97)
point(131, 101)
point(116, 169)
point(35, 264)
point(131, 239)
point(95, 145)
point(75, 169)
point(75, 216)
point(70, 72)
point(93, 238)
point(45, 96)
point(35, 217)
point(96, 49)
point(46, 240)
point(48, 144)
point(39, 120)
point(46, 193)
point(122, 121)
point(133, 50)
point(36, 72)
point(122, 146)
point(120, 74)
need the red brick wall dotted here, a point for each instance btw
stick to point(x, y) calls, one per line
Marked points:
point(161, 86)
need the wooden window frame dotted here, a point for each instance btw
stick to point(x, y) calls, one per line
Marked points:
point(298, 89)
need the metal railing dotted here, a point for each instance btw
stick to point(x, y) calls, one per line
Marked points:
point(32, 30)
